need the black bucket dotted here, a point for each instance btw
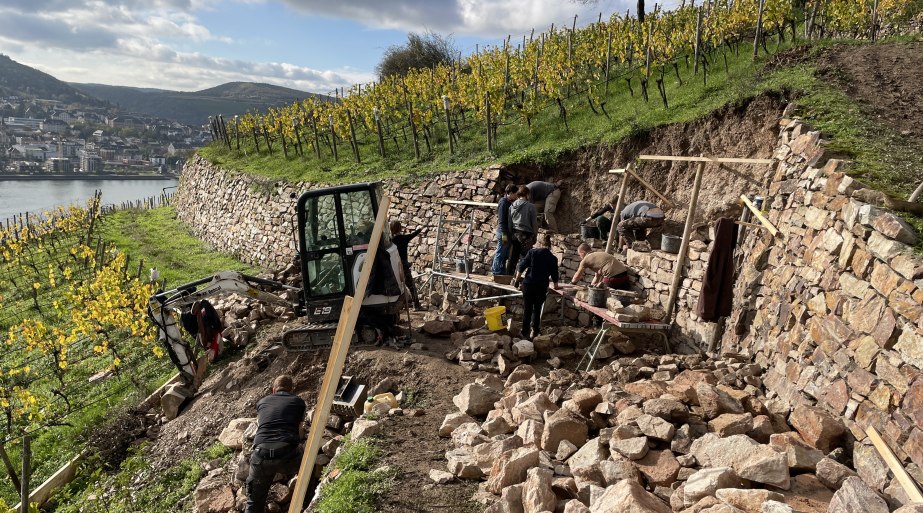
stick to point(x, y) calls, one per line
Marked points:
point(460, 265)
point(670, 243)
point(597, 296)
point(589, 231)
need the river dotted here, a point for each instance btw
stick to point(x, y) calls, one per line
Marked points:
point(35, 196)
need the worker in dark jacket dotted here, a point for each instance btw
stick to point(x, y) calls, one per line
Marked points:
point(504, 230)
point(636, 219)
point(402, 241)
point(525, 227)
point(542, 268)
point(279, 430)
point(599, 217)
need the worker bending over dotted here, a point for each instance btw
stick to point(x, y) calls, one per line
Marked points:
point(504, 230)
point(636, 219)
point(545, 196)
point(279, 431)
point(599, 217)
point(542, 268)
point(609, 270)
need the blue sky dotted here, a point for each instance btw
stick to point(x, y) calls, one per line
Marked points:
point(311, 45)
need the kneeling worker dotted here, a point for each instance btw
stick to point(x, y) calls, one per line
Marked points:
point(542, 268)
point(609, 270)
point(636, 218)
point(280, 418)
point(603, 222)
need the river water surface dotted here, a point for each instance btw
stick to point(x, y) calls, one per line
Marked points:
point(34, 196)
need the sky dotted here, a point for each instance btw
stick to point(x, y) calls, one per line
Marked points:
point(310, 45)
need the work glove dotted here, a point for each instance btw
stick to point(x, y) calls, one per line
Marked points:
point(504, 239)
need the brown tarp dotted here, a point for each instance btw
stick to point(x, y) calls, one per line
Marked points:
point(717, 294)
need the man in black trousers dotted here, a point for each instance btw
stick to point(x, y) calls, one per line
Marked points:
point(542, 268)
point(402, 241)
point(279, 430)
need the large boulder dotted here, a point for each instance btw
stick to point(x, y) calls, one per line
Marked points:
point(511, 468)
point(659, 467)
point(631, 448)
point(854, 496)
point(438, 327)
point(476, 399)
point(715, 401)
point(463, 463)
point(232, 436)
point(749, 501)
point(832, 473)
point(537, 495)
point(749, 459)
point(817, 427)
point(564, 425)
point(510, 501)
point(214, 494)
point(706, 482)
point(656, 427)
point(628, 496)
point(533, 408)
point(364, 427)
point(452, 421)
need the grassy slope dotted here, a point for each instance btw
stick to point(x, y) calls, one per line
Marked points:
point(158, 238)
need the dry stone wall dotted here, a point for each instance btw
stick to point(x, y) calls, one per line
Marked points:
point(832, 307)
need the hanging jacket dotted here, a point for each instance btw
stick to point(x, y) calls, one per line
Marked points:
point(524, 216)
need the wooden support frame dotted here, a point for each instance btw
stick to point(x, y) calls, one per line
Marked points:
point(684, 245)
point(336, 361)
point(469, 203)
point(618, 209)
point(628, 171)
point(759, 215)
point(907, 483)
point(714, 160)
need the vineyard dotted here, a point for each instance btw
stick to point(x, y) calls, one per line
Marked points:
point(466, 108)
point(76, 337)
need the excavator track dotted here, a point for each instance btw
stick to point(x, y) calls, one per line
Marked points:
point(319, 337)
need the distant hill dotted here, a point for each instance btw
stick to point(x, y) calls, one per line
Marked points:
point(193, 108)
point(20, 80)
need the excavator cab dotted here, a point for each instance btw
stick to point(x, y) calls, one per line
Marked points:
point(334, 228)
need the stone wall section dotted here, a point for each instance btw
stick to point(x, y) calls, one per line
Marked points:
point(832, 310)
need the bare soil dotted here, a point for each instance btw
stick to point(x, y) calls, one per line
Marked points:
point(885, 79)
point(746, 130)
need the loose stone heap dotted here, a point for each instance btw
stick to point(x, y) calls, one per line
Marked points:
point(656, 434)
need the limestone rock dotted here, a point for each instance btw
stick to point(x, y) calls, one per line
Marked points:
point(214, 494)
point(591, 453)
point(618, 469)
point(631, 448)
point(870, 466)
point(510, 501)
point(749, 501)
point(476, 399)
point(452, 421)
point(706, 482)
point(537, 496)
point(363, 428)
point(667, 409)
point(628, 496)
point(533, 408)
point(832, 473)
point(749, 459)
point(656, 427)
point(173, 398)
point(523, 349)
point(564, 425)
point(715, 401)
point(659, 467)
point(565, 450)
point(511, 468)
point(817, 427)
point(232, 436)
point(520, 373)
point(854, 496)
point(728, 424)
point(441, 476)
point(575, 506)
point(463, 463)
point(586, 400)
point(438, 328)
point(775, 507)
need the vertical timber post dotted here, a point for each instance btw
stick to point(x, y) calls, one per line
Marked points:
point(684, 246)
point(618, 210)
point(490, 140)
point(26, 473)
point(448, 123)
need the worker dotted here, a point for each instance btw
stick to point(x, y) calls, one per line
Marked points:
point(402, 241)
point(599, 217)
point(384, 297)
point(609, 270)
point(545, 196)
point(542, 268)
point(276, 449)
point(525, 227)
point(504, 230)
point(636, 218)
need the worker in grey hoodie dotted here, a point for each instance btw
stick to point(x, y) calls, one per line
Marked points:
point(525, 228)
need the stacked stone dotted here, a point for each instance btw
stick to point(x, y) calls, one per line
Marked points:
point(833, 307)
point(652, 434)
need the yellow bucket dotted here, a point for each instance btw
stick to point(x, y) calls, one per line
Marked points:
point(494, 317)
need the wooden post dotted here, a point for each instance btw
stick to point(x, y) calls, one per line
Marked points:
point(759, 29)
point(684, 246)
point(617, 212)
point(906, 482)
point(448, 123)
point(316, 137)
point(336, 361)
point(282, 135)
point(237, 131)
point(608, 58)
point(413, 132)
point(873, 35)
point(9, 467)
point(333, 139)
point(352, 136)
point(26, 473)
point(381, 139)
point(490, 140)
point(698, 43)
point(916, 193)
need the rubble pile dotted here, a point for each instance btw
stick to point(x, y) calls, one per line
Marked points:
point(658, 434)
point(242, 316)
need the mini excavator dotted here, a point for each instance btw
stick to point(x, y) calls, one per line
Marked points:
point(334, 226)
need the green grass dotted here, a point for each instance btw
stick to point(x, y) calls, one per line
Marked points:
point(136, 488)
point(158, 238)
point(357, 488)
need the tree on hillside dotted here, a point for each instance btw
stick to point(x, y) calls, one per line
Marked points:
point(420, 51)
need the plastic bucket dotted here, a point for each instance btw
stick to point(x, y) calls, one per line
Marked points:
point(494, 317)
point(670, 243)
point(596, 296)
point(589, 231)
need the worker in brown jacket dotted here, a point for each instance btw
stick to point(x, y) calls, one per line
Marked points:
point(608, 269)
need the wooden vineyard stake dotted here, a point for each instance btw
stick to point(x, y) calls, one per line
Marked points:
point(336, 361)
point(907, 483)
point(490, 140)
point(352, 137)
point(448, 123)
